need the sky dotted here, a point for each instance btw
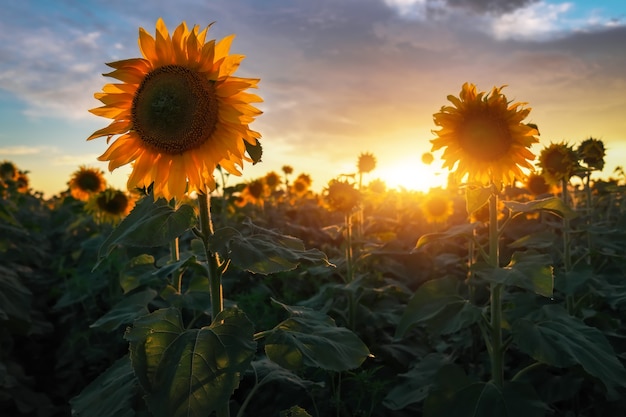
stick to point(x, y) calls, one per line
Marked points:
point(338, 77)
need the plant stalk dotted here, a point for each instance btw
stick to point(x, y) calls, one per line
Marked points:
point(497, 352)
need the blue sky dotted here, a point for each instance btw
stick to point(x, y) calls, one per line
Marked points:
point(339, 77)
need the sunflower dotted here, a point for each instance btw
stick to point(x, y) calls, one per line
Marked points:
point(366, 162)
point(437, 207)
point(484, 136)
point(427, 158)
point(342, 196)
point(536, 184)
point(272, 180)
point(180, 112)
point(85, 182)
point(110, 205)
point(558, 162)
point(591, 151)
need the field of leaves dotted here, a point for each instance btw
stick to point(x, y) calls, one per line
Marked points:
point(383, 307)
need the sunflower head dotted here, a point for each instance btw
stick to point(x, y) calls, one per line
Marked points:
point(366, 162)
point(377, 186)
point(342, 196)
point(110, 205)
point(427, 158)
point(8, 171)
point(272, 180)
point(536, 184)
point(437, 207)
point(85, 182)
point(299, 187)
point(558, 162)
point(591, 151)
point(484, 136)
point(179, 110)
point(287, 169)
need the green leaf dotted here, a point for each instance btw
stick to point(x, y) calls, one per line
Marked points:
point(264, 251)
point(540, 240)
point(481, 399)
point(551, 204)
point(255, 151)
point(415, 384)
point(462, 230)
point(476, 197)
point(572, 281)
point(530, 270)
point(295, 411)
point(437, 305)
point(126, 311)
point(310, 338)
point(15, 298)
point(140, 271)
point(554, 337)
point(150, 224)
point(112, 393)
point(190, 372)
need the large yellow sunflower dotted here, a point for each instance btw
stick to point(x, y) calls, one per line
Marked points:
point(484, 136)
point(179, 110)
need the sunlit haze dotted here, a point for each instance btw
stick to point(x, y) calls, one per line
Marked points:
point(338, 77)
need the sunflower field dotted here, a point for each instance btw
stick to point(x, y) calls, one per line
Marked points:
point(352, 302)
point(190, 294)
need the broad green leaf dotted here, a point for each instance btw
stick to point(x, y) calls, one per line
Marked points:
point(414, 385)
point(462, 230)
point(15, 298)
point(476, 197)
point(551, 204)
point(481, 399)
point(295, 411)
point(150, 224)
point(540, 240)
point(264, 251)
point(310, 338)
point(201, 369)
point(126, 311)
point(438, 306)
point(196, 370)
point(572, 281)
point(140, 271)
point(269, 371)
point(554, 337)
point(530, 270)
point(149, 338)
point(112, 393)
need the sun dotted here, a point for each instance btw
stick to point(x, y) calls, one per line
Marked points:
point(412, 174)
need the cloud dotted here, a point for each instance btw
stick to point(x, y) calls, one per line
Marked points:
point(23, 150)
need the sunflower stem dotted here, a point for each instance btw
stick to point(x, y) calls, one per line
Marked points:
point(497, 351)
point(177, 276)
point(567, 257)
point(215, 276)
point(350, 271)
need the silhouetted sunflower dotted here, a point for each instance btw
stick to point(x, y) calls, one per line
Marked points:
point(558, 162)
point(366, 162)
point(85, 182)
point(484, 137)
point(342, 196)
point(180, 112)
point(591, 151)
point(437, 207)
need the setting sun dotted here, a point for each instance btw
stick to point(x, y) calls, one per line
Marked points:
point(412, 174)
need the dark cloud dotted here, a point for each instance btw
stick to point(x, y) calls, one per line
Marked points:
point(495, 7)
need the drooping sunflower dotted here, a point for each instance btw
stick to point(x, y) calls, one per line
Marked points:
point(591, 151)
point(536, 184)
point(85, 182)
point(558, 162)
point(484, 137)
point(180, 112)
